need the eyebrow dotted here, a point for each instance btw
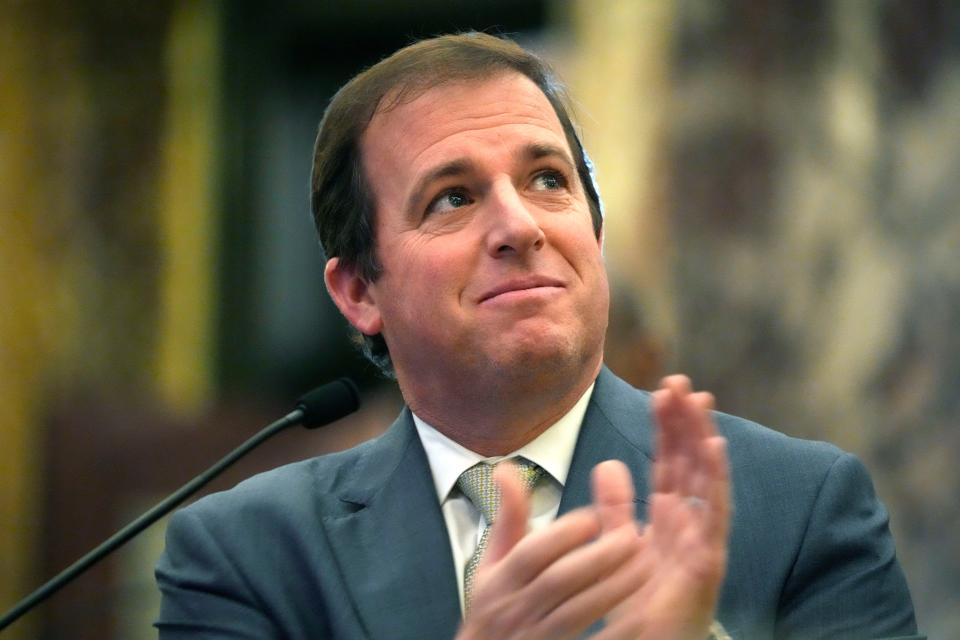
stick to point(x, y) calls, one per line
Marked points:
point(458, 167)
point(537, 150)
point(462, 166)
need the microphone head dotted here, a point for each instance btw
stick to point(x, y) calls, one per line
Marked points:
point(329, 403)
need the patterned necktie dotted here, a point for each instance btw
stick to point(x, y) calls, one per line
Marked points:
point(477, 484)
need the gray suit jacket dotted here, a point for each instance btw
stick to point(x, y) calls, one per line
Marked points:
point(353, 544)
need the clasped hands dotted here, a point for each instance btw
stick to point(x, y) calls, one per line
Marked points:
point(659, 580)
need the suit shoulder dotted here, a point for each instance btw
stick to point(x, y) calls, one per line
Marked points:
point(310, 484)
point(750, 445)
point(765, 445)
point(784, 472)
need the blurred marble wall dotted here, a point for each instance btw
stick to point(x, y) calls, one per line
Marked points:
point(808, 233)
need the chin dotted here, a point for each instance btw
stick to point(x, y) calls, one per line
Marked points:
point(542, 357)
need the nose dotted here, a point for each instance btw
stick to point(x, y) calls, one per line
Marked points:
point(513, 228)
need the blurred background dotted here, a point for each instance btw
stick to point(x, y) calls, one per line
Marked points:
point(781, 182)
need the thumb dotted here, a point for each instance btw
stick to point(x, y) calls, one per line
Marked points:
point(613, 494)
point(511, 524)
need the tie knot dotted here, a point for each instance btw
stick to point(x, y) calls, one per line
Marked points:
point(477, 484)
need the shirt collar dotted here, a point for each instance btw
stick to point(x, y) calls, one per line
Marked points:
point(552, 450)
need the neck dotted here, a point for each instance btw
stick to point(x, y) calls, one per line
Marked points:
point(497, 417)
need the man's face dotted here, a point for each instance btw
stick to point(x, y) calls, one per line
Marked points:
point(489, 257)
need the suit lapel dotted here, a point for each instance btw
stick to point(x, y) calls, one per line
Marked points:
point(394, 551)
point(617, 425)
point(392, 546)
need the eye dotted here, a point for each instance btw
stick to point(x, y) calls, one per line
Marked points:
point(448, 201)
point(549, 181)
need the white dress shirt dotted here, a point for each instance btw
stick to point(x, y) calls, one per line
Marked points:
point(552, 450)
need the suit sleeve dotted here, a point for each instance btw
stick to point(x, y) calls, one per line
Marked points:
point(846, 581)
point(204, 595)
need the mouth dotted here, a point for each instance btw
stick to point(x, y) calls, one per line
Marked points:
point(518, 285)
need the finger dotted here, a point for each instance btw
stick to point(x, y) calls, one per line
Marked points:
point(701, 405)
point(709, 469)
point(704, 399)
point(718, 498)
point(610, 597)
point(672, 412)
point(613, 494)
point(678, 383)
point(539, 549)
point(638, 571)
point(670, 415)
point(511, 523)
point(663, 520)
point(700, 427)
point(666, 441)
point(669, 408)
point(564, 583)
point(688, 410)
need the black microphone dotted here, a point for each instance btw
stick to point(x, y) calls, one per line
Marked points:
point(317, 408)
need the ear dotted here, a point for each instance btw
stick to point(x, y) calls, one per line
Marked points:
point(352, 295)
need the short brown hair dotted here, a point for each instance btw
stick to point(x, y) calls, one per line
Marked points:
point(340, 198)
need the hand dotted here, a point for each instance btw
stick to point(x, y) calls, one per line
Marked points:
point(659, 581)
point(552, 583)
point(681, 559)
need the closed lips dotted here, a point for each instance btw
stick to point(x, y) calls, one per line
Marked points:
point(520, 285)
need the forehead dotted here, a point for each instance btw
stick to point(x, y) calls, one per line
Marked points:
point(454, 117)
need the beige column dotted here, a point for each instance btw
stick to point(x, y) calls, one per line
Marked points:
point(619, 76)
point(26, 281)
point(189, 207)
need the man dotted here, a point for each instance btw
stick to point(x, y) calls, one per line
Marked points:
point(463, 233)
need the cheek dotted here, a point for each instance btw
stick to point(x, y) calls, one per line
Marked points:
point(581, 248)
point(429, 271)
point(448, 258)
